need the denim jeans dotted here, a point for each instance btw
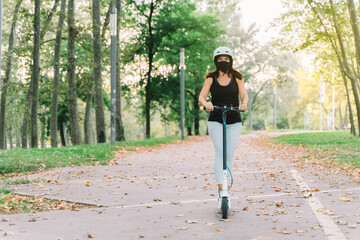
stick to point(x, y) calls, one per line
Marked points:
point(233, 132)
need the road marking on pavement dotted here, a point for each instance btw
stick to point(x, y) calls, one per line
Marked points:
point(330, 228)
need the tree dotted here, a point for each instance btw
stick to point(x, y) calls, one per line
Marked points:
point(55, 87)
point(72, 95)
point(7, 76)
point(29, 95)
point(35, 76)
point(99, 104)
point(120, 135)
point(159, 20)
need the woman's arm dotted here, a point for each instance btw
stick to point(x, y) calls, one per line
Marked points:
point(243, 94)
point(204, 93)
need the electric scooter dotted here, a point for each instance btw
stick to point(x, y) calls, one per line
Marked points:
point(224, 193)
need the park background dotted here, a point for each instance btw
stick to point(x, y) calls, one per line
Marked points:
point(55, 71)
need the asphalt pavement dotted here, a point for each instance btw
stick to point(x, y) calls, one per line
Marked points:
point(169, 192)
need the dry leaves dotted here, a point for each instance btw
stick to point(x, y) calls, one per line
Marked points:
point(13, 203)
point(284, 231)
point(345, 199)
point(182, 228)
point(90, 235)
point(191, 221)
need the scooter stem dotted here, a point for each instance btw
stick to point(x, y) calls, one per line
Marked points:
point(225, 173)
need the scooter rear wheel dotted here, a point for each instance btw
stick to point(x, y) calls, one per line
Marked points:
point(224, 207)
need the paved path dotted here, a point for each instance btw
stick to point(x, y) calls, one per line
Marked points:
point(169, 193)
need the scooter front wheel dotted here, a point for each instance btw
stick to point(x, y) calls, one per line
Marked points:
point(224, 207)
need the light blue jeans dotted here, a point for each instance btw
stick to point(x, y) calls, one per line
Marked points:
point(233, 132)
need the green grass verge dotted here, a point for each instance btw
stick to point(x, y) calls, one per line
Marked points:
point(327, 141)
point(32, 160)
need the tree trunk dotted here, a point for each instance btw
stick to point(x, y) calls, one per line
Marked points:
point(11, 130)
point(62, 134)
point(147, 107)
point(35, 76)
point(99, 102)
point(7, 76)
point(189, 131)
point(341, 118)
point(24, 128)
point(43, 129)
point(355, 28)
point(72, 96)
point(120, 135)
point(87, 122)
point(352, 124)
point(55, 86)
point(148, 84)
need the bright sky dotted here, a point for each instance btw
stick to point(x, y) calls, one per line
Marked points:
point(262, 12)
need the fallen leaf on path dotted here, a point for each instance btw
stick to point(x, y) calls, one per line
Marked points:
point(218, 230)
point(351, 226)
point(284, 231)
point(210, 224)
point(225, 220)
point(91, 235)
point(342, 222)
point(191, 221)
point(316, 228)
point(245, 208)
point(182, 228)
point(345, 199)
point(9, 233)
point(166, 236)
point(258, 238)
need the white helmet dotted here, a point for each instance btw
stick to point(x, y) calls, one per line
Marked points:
point(223, 51)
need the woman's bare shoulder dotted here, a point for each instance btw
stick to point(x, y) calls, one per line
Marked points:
point(209, 80)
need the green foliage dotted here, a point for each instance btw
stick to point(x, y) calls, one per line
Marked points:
point(340, 141)
point(32, 160)
point(328, 141)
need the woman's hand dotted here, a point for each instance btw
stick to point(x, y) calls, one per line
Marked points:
point(243, 107)
point(209, 107)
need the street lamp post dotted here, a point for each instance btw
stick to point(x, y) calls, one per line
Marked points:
point(322, 98)
point(275, 106)
point(113, 28)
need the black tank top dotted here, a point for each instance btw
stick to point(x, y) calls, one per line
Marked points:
point(224, 95)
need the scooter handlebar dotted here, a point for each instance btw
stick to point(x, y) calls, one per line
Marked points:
point(225, 108)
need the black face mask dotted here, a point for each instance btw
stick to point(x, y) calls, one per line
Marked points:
point(223, 66)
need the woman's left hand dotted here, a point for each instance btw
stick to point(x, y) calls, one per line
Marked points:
point(243, 107)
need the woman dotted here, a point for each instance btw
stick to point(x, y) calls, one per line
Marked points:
point(226, 84)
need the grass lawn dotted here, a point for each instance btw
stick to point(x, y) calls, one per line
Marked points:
point(346, 145)
point(32, 160)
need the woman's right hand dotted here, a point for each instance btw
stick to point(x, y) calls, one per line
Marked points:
point(209, 107)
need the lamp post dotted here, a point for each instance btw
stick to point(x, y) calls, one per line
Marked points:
point(322, 98)
point(113, 27)
point(182, 91)
point(274, 106)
